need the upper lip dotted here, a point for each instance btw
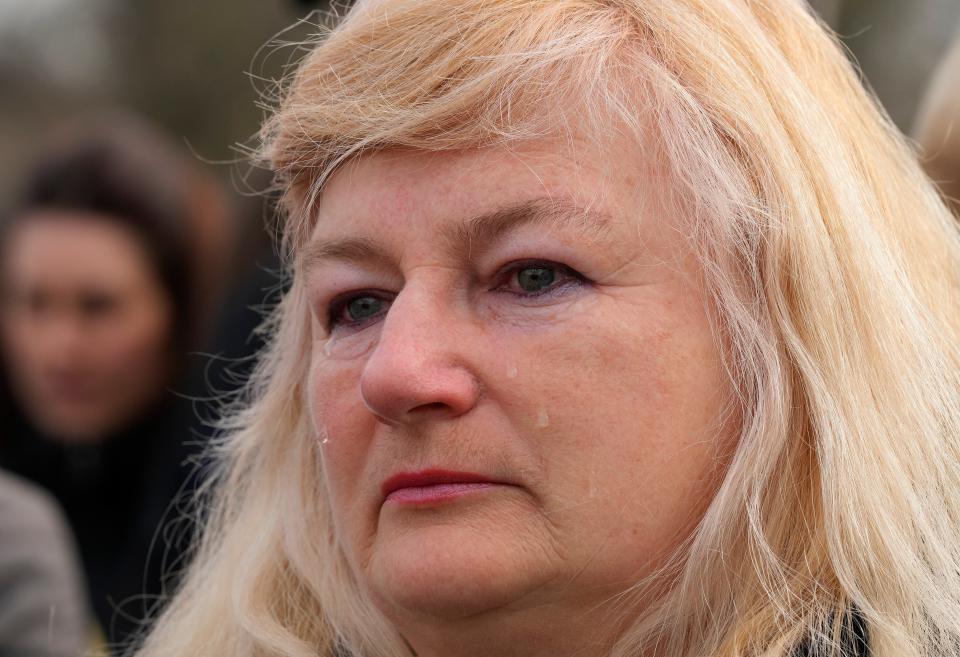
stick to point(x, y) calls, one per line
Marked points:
point(431, 477)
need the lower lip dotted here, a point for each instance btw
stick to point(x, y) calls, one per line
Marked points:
point(420, 495)
point(68, 389)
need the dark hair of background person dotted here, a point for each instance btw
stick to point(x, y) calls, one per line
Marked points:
point(123, 173)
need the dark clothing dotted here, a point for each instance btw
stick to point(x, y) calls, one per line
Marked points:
point(115, 496)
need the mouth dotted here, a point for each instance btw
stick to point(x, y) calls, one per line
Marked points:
point(69, 388)
point(433, 486)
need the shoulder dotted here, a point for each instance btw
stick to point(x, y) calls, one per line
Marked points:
point(26, 507)
point(43, 609)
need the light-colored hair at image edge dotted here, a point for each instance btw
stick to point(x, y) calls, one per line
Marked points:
point(831, 259)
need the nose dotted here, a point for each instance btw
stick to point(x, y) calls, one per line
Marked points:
point(60, 336)
point(420, 368)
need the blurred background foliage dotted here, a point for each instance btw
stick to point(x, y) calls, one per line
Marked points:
point(195, 67)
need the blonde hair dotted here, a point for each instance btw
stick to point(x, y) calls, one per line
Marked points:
point(831, 258)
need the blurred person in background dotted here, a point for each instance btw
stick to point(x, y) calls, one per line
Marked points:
point(103, 293)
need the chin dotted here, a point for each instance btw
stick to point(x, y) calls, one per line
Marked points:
point(72, 428)
point(449, 573)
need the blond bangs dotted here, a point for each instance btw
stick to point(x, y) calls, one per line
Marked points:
point(480, 79)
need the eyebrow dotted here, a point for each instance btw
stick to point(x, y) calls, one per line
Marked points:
point(470, 238)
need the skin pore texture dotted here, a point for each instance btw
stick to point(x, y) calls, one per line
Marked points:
point(86, 325)
point(531, 317)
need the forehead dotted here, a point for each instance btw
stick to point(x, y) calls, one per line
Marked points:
point(71, 248)
point(425, 190)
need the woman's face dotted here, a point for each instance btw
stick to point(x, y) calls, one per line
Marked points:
point(515, 380)
point(85, 325)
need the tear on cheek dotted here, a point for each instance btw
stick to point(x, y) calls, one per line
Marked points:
point(351, 345)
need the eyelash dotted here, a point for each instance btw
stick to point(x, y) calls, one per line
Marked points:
point(338, 306)
point(567, 278)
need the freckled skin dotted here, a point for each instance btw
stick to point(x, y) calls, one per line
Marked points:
point(601, 407)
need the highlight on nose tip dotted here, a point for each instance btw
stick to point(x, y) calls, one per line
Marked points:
point(431, 392)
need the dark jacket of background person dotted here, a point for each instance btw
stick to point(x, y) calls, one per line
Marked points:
point(126, 490)
point(127, 502)
point(43, 606)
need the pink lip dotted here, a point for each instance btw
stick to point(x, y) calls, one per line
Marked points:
point(431, 486)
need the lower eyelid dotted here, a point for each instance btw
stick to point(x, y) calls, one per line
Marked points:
point(571, 282)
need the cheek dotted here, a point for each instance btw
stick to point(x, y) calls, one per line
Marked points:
point(636, 403)
point(136, 343)
point(334, 403)
point(21, 348)
point(345, 429)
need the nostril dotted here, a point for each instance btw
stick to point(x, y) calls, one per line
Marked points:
point(433, 406)
point(415, 384)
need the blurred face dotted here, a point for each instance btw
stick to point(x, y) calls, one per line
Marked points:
point(86, 325)
point(516, 385)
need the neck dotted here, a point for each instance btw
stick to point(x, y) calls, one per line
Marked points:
point(588, 631)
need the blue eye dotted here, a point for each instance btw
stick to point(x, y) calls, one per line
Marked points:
point(363, 308)
point(356, 310)
point(534, 279)
point(531, 280)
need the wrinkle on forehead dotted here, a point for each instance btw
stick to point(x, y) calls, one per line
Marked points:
point(469, 238)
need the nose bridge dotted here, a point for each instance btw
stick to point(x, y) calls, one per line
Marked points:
point(418, 312)
point(420, 365)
